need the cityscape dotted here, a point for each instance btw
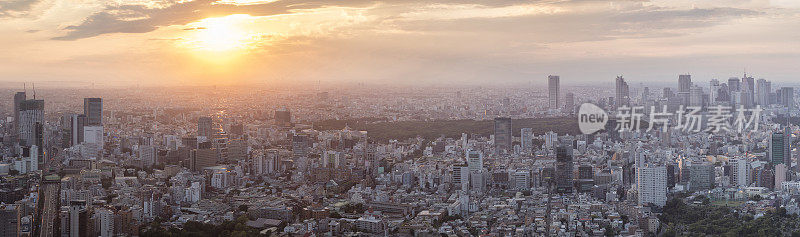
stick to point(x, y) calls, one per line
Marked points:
point(399, 118)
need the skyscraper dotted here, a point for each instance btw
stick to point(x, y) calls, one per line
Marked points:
point(684, 88)
point(569, 102)
point(781, 173)
point(684, 83)
point(740, 172)
point(623, 95)
point(502, 135)
point(272, 162)
point(713, 90)
point(300, 145)
point(779, 152)
point(147, 155)
point(78, 122)
point(18, 98)
point(283, 117)
point(202, 158)
point(563, 176)
point(31, 115)
point(526, 140)
point(786, 97)
point(701, 176)
point(474, 160)
point(553, 84)
point(763, 88)
point(696, 96)
point(93, 109)
point(734, 84)
point(748, 91)
point(104, 219)
point(78, 219)
point(460, 178)
point(204, 127)
point(31, 126)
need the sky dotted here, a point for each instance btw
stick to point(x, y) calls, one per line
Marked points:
point(395, 42)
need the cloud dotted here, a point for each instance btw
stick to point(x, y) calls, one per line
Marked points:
point(573, 24)
point(114, 19)
point(111, 20)
point(15, 8)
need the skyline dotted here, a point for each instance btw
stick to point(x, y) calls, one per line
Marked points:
point(478, 43)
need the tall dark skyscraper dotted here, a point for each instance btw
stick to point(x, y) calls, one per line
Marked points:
point(553, 87)
point(734, 84)
point(779, 151)
point(684, 88)
point(563, 176)
point(502, 135)
point(283, 117)
point(763, 89)
point(78, 123)
point(204, 127)
point(786, 97)
point(569, 102)
point(748, 91)
point(31, 115)
point(300, 145)
point(31, 126)
point(93, 109)
point(684, 83)
point(623, 93)
point(18, 98)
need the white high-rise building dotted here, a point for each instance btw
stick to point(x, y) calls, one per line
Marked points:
point(474, 160)
point(104, 222)
point(93, 141)
point(272, 162)
point(550, 139)
point(461, 177)
point(147, 154)
point(651, 183)
point(526, 139)
point(258, 164)
point(739, 172)
point(192, 193)
point(93, 135)
point(780, 175)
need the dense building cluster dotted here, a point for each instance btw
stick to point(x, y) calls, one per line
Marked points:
point(144, 162)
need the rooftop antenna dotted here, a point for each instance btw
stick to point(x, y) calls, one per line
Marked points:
point(34, 90)
point(25, 87)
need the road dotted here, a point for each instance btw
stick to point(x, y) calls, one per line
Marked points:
point(50, 209)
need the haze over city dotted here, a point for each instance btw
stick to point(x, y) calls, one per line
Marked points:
point(476, 42)
point(402, 118)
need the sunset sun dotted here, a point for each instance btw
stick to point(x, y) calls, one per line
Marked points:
point(223, 34)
